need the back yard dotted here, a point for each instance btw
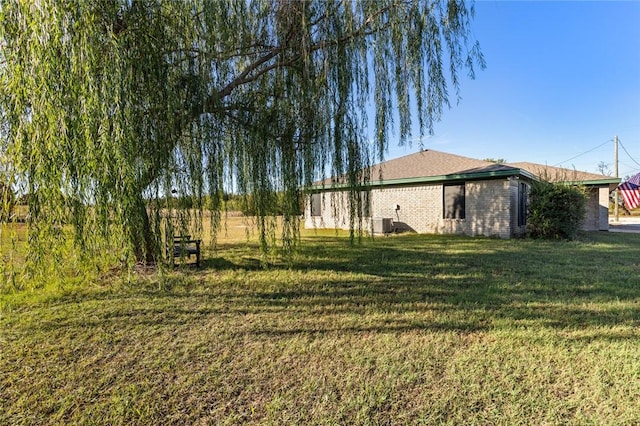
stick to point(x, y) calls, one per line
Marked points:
point(398, 330)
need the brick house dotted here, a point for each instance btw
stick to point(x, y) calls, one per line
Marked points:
point(439, 193)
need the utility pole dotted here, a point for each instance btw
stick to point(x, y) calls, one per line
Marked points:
point(615, 165)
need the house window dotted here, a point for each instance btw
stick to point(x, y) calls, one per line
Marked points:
point(453, 203)
point(365, 203)
point(523, 203)
point(316, 204)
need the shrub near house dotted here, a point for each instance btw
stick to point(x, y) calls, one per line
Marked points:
point(555, 210)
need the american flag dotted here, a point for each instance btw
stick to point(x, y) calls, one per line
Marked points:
point(630, 191)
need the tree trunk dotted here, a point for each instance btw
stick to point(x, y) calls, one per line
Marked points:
point(144, 243)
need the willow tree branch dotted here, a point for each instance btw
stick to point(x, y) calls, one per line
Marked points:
point(252, 72)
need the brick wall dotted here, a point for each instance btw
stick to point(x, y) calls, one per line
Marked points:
point(491, 209)
point(420, 206)
point(597, 210)
point(334, 213)
point(487, 209)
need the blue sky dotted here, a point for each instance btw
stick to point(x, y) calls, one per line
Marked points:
point(562, 78)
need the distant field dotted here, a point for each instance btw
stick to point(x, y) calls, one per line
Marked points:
point(404, 329)
point(234, 229)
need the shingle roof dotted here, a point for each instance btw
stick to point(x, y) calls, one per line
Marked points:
point(431, 165)
point(559, 174)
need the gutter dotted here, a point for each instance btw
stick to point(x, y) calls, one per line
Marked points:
point(612, 182)
point(432, 179)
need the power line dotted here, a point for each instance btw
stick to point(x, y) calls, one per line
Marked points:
point(586, 152)
point(625, 150)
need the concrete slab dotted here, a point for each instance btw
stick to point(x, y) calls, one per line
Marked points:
point(625, 224)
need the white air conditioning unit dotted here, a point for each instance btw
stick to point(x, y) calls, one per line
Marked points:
point(382, 225)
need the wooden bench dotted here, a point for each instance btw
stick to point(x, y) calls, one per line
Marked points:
point(184, 247)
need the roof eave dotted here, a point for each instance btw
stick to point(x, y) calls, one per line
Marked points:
point(433, 179)
point(611, 183)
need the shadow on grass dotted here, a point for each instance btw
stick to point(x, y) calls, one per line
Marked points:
point(592, 283)
point(224, 264)
point(392, 285)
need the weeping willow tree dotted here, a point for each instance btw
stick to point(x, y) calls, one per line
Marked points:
point(113, 108)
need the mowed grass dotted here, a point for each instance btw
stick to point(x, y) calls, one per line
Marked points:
point(404, 329)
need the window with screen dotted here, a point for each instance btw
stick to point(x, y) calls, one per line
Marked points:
point(316, 204)
point(453, 203)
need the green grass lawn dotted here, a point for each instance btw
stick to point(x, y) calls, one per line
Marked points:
point(399, 330)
